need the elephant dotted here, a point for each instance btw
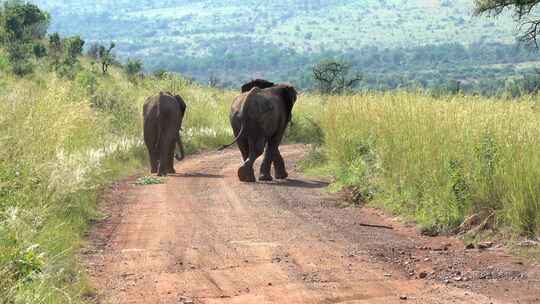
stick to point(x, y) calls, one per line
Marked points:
point(259, 118)
point(259, 83)
point(163, 115)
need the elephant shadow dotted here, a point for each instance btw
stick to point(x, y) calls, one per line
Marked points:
point(296, 183)
point(198, 175)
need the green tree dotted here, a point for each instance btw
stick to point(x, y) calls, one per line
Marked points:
point(20, 25)
point(522, 9)
point(22, 22)
point(133, 67)
point(74, 47)
point(39, 50)
point(106, 57)
point(333, 76)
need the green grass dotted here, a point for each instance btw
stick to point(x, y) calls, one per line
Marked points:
point(436, 161)
point(62, 142)
point(149, 180)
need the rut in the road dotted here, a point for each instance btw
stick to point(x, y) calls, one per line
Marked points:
point(205, 237)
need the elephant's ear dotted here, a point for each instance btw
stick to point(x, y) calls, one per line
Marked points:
point(257, 83)
point(181, 102)
point(288, 94)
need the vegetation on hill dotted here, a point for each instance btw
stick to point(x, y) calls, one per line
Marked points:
point(393, 43)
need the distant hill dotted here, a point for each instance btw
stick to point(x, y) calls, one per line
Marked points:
point(232, 38)
point(303, 25)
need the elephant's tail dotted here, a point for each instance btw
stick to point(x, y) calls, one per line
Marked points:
point(235, 140)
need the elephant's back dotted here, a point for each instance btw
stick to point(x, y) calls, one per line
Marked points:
point(150, 105)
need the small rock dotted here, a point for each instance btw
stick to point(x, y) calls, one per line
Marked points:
point(422, 275)
point(270, 284)
point(469, 246)
point(458, 279)
point(402, 297)
point(387, 274)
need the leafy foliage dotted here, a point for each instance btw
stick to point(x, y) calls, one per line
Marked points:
point(106, 57)
point(149, 180)
point(333, 76)
point(521, 9)
point(133, 67)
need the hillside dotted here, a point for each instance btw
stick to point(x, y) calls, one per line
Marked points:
point(194, 28)
point(236, 40)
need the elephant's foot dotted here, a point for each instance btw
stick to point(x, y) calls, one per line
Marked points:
point(162, 174)
point(172, 171)
point(246, 174)
point(265, 177)
point(153, 171)
point(281, 174)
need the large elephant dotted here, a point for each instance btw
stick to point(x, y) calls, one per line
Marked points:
point(259, 118)
point(163, 115)
point(257, 83)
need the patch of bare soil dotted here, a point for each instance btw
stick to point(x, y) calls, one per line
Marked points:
point(205, 237)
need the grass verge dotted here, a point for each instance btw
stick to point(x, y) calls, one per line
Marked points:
point(436, 161)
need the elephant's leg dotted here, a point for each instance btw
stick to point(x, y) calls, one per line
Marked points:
point(165, 155)
point(243, 145)
point(256, 148)
point(266, 165)
point(171, 155)
point(154, 160)
point(279, 165)
point(277, 159)
point(149, 140)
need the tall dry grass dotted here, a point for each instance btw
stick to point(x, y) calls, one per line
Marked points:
point(438, 161)
point(61, 142)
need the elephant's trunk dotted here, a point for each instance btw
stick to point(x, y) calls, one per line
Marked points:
point(181, 146)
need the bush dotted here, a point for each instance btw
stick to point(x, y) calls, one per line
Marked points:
point(39, 50)
point(133, 67)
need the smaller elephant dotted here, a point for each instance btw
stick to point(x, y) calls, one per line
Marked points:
point(163, 115)
point(259, 118)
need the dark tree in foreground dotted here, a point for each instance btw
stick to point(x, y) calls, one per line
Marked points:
point(334, 76)
point(106, 57)
point(523, 11)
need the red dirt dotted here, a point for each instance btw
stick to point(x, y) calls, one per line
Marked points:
point(205, 237)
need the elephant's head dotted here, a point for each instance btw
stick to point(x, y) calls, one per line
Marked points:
point(288, 94)
point(257, 83)
point(183, 108)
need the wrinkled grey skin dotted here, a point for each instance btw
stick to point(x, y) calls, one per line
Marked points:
point(163, 115)
point(259, 119)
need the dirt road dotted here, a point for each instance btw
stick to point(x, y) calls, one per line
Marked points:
point(204, 237)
